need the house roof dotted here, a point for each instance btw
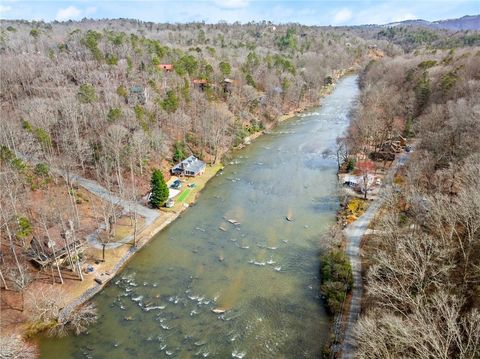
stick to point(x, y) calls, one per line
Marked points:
point(191, 163)
point(166, 66)
point(277, 90)
point(351, 179)
point(136, 89)
point(231, 81)
point(358, 179)
point(200, 81)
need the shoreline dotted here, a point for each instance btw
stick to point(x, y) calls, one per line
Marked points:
point(144, 237)
point(90, 286)
point(325, 91)
point(342, 323)
point(149, 232)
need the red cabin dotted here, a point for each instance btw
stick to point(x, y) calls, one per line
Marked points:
point(200, 83)
point(166, 67)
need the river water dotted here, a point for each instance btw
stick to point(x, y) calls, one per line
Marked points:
point(263, 271)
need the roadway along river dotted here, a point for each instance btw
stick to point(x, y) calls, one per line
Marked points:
point(264, 271)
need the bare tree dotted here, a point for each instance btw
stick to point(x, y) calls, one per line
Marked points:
point(77, 322)
point(436, 328)
point(43, 221)
point(12, 346)
point(46, 305)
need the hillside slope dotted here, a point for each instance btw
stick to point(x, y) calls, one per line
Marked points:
point(468, 22)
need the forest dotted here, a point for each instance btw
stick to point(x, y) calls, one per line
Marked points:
point(422, 265)
point(110, 101)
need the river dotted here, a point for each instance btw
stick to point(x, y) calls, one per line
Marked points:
point(263, 271)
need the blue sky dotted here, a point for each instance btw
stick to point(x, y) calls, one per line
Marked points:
point(306, 12)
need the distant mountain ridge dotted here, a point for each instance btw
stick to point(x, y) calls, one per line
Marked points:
point(468, 22)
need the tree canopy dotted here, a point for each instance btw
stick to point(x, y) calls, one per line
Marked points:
point(160, 191)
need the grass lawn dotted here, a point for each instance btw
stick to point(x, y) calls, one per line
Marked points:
point(183, 196)
point(190, 193)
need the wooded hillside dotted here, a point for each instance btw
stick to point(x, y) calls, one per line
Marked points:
point(111, 100)
point(86, 91)
point(423, 263)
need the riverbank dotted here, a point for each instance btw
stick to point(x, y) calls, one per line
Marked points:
point(325, 91)
point(74, 292)
point(119, 257)
point(80, 292)
point(259, 265)
point(342, 339)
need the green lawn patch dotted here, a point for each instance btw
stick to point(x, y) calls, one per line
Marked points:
point(183, 196)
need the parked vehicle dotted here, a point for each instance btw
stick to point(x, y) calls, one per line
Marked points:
point(176, 184)
point(169, 203)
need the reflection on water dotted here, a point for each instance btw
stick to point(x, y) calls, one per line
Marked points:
point(233, 277)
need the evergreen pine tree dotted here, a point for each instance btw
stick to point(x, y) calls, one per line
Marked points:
point(423, 92)
point(159, 190)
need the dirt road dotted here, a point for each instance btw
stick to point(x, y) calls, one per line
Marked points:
point(354, 234)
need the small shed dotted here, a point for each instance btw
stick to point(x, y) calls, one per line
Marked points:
point(358, 182)
point(200, 83)
point(351, 181)
point(137, 95)
point(166, 67)
point(228, 85)
point(277, 90)
point(191, 167)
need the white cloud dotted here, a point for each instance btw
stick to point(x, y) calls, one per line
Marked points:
point(4, 8)
point(403, 17)
point(341, 16)
point(74, 13)
point(90, 10)
point(232, 4)
point(68, 13)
